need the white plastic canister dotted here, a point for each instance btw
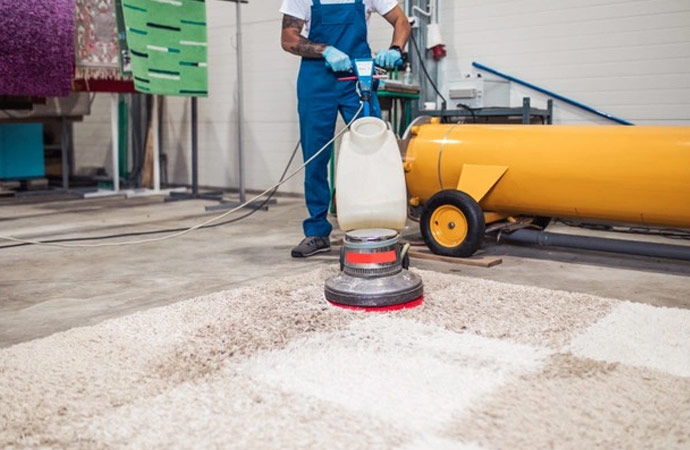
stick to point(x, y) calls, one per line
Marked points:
point(370, 181)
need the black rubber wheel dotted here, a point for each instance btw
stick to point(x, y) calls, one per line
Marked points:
point(452, 224)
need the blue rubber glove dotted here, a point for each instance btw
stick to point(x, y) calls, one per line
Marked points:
point(337, 60)
point(388, 59)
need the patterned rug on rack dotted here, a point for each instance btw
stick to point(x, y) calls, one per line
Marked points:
point(481, 365)
point(168, 45)
point(97, 40)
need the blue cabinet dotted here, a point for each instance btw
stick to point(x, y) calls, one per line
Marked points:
point(21, 151)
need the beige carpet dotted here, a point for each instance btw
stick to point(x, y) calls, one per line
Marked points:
point(482, 365)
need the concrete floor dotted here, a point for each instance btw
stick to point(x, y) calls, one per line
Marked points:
point(44, 290)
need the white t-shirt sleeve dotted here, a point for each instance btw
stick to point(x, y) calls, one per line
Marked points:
point(300, 9)
point(383, 7)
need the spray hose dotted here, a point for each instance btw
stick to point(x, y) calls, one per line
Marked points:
point(203, 224)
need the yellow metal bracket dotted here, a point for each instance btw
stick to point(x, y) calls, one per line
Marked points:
point(491, 217)
point(477, 180)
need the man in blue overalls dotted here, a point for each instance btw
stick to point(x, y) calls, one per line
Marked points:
point(337, 33)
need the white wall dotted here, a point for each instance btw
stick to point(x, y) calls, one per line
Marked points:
point(628, 58)
point(93, 138)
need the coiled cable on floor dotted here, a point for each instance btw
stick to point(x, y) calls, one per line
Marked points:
point(205, 224)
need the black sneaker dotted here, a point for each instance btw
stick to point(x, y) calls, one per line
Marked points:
point(311, 246)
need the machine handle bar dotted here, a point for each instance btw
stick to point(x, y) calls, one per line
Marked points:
point(354, 78)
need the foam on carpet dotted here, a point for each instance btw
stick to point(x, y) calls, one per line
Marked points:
point(36, 47)
point(481, 365)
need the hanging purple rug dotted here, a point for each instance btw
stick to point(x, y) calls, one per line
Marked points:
point(37, 50)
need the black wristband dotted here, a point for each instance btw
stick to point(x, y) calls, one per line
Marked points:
point(395, 47)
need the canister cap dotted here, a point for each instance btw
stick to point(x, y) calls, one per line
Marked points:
point(371, 235)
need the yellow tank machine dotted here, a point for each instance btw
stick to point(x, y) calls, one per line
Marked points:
point(465, 177)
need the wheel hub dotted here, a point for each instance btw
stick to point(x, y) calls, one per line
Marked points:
point(448, 225)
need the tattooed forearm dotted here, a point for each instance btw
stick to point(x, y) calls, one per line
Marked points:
point(309, 49)
point(293, 41)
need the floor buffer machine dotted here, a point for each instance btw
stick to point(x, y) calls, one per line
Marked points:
point(372, 209)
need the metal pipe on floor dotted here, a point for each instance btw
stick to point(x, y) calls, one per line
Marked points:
point(547, 239)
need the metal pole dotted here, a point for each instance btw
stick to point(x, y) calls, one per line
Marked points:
point(65, 153)
point(414, 60)
point(240, 116)
point(177, 196)
point(427, 93)
point(421, 41)
point(439, 75)
point(432, 62)
point(157, 136)
point(195, 149)
point(115, 132)
point(240, 113)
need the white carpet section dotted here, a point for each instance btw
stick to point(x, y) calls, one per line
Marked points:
point(230, 411)
point(409, 374)
point(480, 366)
point(640, 335)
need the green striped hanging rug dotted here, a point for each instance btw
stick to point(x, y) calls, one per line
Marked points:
point(168, 46)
